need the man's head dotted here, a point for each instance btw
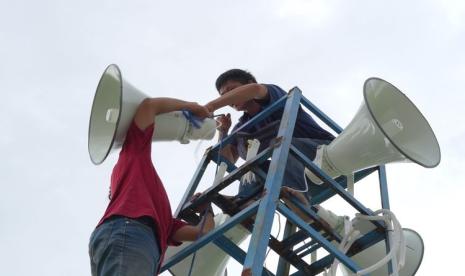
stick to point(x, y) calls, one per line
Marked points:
point(232, 79)
point(234, 75)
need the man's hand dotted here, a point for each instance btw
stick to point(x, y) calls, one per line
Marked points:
point(224, 123)
point(246, 272)
point(210, 107)
point(191, 232)
point(199, 110)
point(201, 208)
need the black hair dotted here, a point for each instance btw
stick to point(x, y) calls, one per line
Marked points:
point(239, 75)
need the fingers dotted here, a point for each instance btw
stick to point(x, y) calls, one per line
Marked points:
point(224, 122)
point(195, 196)
point(200, 111)
point(228, 117)
point(204, 112)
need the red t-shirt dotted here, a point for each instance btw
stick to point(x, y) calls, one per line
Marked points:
point(136, 188)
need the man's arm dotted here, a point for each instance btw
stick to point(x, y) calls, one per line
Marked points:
point(239, 95)
point(191, 233)
point(151, 107)
point(229, 151)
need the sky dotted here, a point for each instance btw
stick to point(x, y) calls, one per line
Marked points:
point(52, 54)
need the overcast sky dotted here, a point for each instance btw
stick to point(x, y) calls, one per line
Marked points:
point(52, 54)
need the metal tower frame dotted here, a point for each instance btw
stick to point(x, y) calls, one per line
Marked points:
point(264, 208)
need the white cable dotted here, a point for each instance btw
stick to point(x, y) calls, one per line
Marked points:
point(398, 245)
point(196, 150)
point(350, 236)
point(350, 184)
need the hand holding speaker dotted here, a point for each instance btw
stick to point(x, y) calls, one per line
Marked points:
point(199, 110)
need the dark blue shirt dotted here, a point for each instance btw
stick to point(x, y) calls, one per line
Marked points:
point(268, 128)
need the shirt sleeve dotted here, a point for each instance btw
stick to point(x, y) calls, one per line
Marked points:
point(138, 140)
point(175, 226)
point(274, 94)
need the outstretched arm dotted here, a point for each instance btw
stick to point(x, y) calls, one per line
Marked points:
point(229, 151)
point(191, 233)
point(151, 107)
point(239, 95)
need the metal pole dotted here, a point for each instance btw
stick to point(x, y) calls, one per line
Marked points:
point(392, 264)
point(283, 266)
point(264, 220)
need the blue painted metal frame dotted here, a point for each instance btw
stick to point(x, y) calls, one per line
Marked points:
point(332, 183)
point(265, 215)
point(247, 212)
point(234, 175)
point(214, 151)
point(283, 266)
point(269, 203)
point(366, 241)
point(385, 205)
point(194, 182)
point(317, 236)
point(322, 193)
point(315, 110)
point(234, 251)
point(313, 215)
point(381, 169)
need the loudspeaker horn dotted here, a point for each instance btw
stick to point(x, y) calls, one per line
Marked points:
point(115, 103)
point(414, 252)
point(388, 127)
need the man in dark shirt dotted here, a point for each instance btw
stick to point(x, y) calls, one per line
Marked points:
point(133, 234)
point(239, 89)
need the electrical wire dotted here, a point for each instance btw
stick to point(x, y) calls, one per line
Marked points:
point(197, 147)
point(398, 244)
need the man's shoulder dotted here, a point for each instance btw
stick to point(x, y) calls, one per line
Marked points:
point(273, 87)
point(137, 139)
point(274, 91)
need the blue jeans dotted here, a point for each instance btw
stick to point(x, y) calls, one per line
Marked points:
point(123, 246)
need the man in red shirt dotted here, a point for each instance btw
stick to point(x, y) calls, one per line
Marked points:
point(137, 227)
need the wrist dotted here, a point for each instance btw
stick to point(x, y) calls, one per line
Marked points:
point(222, 133)
point(210, 107)
point(209, 210)
point(190, 105)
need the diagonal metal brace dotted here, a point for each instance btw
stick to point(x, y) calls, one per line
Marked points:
point(212, 235)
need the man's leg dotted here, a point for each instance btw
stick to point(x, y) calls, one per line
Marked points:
point(287, 192)
point(123, 246)
point(329, 219)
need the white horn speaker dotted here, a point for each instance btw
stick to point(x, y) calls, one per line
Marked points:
point(210, 260)
point(114, 106)
point(368, 257)
point(388, 127)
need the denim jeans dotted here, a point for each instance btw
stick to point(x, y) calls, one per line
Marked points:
point(123, 246)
